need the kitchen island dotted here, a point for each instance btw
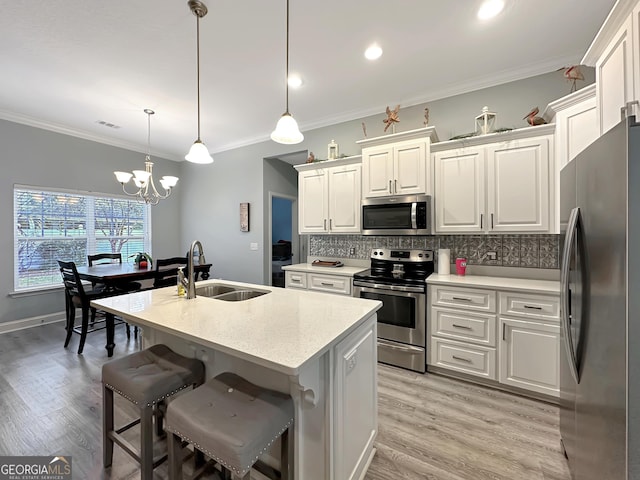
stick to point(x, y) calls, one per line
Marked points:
point(319, 348)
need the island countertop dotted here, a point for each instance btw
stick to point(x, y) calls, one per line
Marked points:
point(282, 330)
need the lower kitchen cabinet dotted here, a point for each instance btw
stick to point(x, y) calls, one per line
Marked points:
point(307, 277)
point(505, 337)
point(464, 357)
point(356, 407)
point(529, 355)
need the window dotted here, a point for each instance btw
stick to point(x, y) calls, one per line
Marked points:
point(65, 225)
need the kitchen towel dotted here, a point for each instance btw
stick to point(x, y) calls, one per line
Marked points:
point(444, 261)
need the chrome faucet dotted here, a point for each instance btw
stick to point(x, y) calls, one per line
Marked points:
point(190, 282)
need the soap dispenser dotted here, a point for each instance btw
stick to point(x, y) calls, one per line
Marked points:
point(181, 290)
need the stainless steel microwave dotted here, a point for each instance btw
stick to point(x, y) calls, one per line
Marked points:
point(406, 215)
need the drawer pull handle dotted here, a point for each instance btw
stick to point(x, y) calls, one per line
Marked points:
point(295, 279)
point(463, 299)
point(531, 307)
point(461, 326)
point(462, 359)
point(326, 284)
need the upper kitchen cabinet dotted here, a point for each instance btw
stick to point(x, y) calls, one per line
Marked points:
point(577, 126)
point(615, 55)
point(487, 186)
point(329, 196)
point(397, 164)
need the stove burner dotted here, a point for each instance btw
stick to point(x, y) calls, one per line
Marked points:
point(398, 267)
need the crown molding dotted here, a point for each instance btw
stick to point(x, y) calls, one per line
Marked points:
point(617, 16)
point(72, 132)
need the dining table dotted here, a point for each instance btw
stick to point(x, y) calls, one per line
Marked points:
point(114, 274)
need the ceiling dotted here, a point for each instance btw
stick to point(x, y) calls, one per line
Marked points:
point(67, 65)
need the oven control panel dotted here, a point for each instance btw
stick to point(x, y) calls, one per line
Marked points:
point(397, 255)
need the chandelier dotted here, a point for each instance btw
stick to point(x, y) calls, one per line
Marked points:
point(143, 179)
point(287, 131)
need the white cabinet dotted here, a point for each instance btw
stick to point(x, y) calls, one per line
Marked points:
point(330, 197)
point(397, 164)
point(614, 54)
point(529, 355)
point(319, 282)
point(491, 186)
point(355, 419)
point(398, 169)
point(529, 351)
point(459, 197)
point(462, 330)
point(505, 337)
point(614, 77)
point(576, 119)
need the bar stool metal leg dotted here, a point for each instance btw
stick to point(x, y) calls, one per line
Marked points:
point(107, 426)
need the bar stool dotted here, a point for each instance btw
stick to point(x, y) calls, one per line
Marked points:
point(146, 378)
point(233, 422)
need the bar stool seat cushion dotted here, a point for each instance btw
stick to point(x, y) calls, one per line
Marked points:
point(148, 376)
point(231, 420)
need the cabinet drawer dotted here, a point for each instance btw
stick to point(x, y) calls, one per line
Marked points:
point(295, 280)
point(470, 359)
point(465, 326)
point(468, 298)
point(541, 307)
point(330, 283)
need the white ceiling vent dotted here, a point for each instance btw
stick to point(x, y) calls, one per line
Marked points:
point(107, 124)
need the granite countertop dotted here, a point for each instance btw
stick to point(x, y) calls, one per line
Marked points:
point(345, 271)
point(501, 283)
point(282, 330)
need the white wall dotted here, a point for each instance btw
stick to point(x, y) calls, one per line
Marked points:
point(31, 156)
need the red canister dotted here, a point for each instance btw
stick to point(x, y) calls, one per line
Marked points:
point(461, 266)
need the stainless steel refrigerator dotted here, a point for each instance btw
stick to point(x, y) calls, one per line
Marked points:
point(600, 307)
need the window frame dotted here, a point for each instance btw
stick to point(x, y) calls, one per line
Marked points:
point(90, 236)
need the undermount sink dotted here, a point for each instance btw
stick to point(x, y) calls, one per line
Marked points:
point(240, 295)
point(213, 290)
point(228, 293)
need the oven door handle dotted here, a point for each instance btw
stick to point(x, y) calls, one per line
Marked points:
point(382, 286)
point(402, 348)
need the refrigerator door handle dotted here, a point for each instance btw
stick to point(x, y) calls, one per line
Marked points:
point(569, 243)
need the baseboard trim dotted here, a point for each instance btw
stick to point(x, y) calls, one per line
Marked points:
point(31, 322)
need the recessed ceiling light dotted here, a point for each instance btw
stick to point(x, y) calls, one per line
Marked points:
point(490, 8)
point(373, 52)
point(294, 81)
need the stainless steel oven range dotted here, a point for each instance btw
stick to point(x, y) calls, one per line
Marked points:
point(397, 278)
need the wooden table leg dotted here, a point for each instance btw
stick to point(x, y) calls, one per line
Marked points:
point(110, 321)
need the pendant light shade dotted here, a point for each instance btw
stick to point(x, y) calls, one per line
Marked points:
point(287, 131)
point(198, 152)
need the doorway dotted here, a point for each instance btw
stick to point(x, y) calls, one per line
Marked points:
point(283, 232)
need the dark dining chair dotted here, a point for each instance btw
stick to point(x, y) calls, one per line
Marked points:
point(119, 288)
point(166, 272)
point(100, 258)
point(77, 296)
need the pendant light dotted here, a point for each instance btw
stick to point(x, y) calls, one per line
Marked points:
point(287, 131)
point(198, 152)
point(143, 179)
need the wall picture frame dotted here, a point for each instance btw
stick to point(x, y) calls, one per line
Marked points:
point(244, 217)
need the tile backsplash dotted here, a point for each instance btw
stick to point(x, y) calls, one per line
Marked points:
point(532, 251)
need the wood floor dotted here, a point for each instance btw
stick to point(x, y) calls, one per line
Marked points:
point(430, 427)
